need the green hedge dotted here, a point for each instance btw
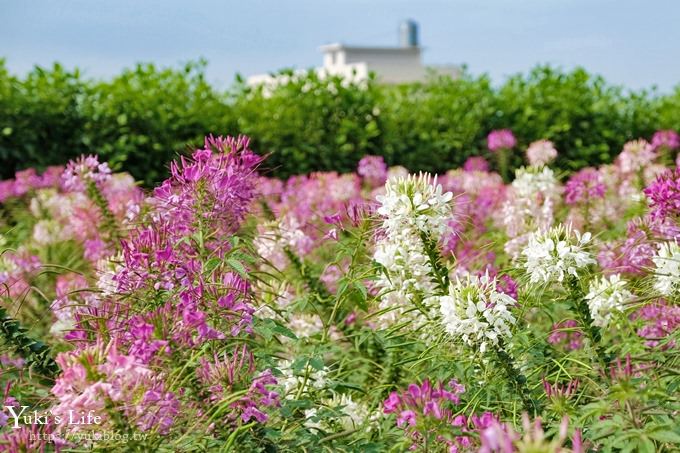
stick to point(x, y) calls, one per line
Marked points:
point(142, 118)
point(311, 124)
point(41, 122)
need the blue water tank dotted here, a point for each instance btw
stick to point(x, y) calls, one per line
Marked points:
point(408, 33)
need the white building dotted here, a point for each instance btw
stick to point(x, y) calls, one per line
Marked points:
point(390, 64)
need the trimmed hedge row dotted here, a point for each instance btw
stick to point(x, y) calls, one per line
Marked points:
point(142, 118)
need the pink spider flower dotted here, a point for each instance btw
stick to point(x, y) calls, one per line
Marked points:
point(501, 139)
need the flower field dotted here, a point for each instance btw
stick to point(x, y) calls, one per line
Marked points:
point(529, 310)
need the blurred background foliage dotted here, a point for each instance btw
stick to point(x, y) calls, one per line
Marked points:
point(142, 118)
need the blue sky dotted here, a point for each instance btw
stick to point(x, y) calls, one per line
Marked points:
point(631, 42)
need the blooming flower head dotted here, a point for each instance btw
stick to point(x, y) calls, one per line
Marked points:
point(664, 196)
point(373, 170)
point(532, 182)
point(555, 254)
point(632, 256)
point(96, 376)
point(660, 319)
point(300, 374)
point(345, 414)
point(541, 152)
point(425, 413)
point(475, 163)
point(476, 311)
point(415, 201)
point(83, 170)
point(607, 295)
point(501, 139)
point(636, 155)
point(585, 185)
point(667, 272)
point(666, 139)
point(414, 210)
point(530, 205)
point(502, 438)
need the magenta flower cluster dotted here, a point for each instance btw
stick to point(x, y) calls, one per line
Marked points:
point(664, 196)
point(28, 180)
point(632, 255)
point(120, 361)
point(666, 139)
point(426, 414)
point(584, 187)
point(224, 376)
point(373, 170)
point(476, 163)
point(659, 320)
point(83, 170)
point(566, 334)
point(501, 139)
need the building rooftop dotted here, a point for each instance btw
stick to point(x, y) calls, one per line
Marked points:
point(352, 48)
point(398, 64)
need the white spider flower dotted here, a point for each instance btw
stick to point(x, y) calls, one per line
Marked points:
point(107, 268)
point(667, 273)
point(555, 254)
point(47, 231)
point(541, 152)
point(529, 206)
point(350, 415)
point(415, 201)
point(405, 278)
point(292, 380)
point(605, 297)
point(355, 413)
point(530, 182)
point(476, 312)
point(305, 325)
point(411, 207)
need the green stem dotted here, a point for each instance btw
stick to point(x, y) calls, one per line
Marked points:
point(35, 352)
point(314, 284)
point(390, 372)
point(504, 164)
point(267, 210)
point(580, 308)
point(516, 379)
point(109, 224)
point(440, 272)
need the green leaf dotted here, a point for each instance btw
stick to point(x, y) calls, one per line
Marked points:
point(285, 331)
point(666, 436)
point(212, 264)
point(362, 289)
point(646, 445)
point(316, 363)
point(238, 267)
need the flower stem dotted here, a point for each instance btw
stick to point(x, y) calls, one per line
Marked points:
point(580, 308)
point(36, 353)
point(503, 163)
point(516, 379)
point(312, 282)
point(440, 273)
point(108, 219)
